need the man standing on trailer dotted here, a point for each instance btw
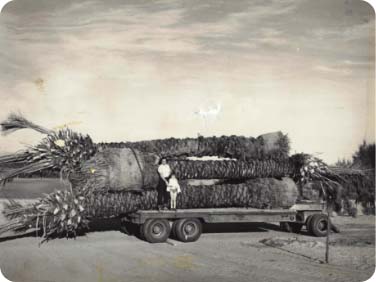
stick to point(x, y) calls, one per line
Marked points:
point(164, 171)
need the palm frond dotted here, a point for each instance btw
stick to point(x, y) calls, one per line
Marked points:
point(12, 160)
point(59, 213)
point(63, 149)
point(17, 121)
point(12, 225)
point(27, 169)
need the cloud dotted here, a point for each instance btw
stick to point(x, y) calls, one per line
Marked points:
point(145, 67)
point(135, 28)
point(332, 70)
point(345, 32)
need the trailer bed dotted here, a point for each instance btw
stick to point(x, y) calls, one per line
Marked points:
point(218, 215)
point(186, 225)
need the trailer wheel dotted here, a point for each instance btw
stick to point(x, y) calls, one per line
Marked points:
point(291, 227)
point(141, 232)
point(308, 222)
point(318, 225)
point(188, 229)
point(155, 230)
point(173, 230)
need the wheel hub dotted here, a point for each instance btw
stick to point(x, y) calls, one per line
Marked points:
point(322, 225)
point(189, 229)
point(157, 229)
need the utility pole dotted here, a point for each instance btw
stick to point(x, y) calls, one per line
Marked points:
point(327, 231)
point(326, 196)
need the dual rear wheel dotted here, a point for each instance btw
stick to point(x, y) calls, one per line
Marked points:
point(155, 230)
point(187, 229)
point(158, 230)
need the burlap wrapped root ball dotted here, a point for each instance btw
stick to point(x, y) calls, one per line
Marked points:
point(117, 170)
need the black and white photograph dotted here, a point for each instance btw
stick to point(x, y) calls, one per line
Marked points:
point(187, 140)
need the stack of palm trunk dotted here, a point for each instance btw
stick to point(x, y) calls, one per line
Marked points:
point(110, 180)
point(66, 212)
point(268, 146)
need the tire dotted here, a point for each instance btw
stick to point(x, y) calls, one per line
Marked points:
point(308, 222)
point(318, 225)
point(140, 233)
point(173, 230)
point(155, 230)
point(188, 229)
point(291, 227)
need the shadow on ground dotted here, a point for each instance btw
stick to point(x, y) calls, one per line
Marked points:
point(115, 224)
point(239, 227)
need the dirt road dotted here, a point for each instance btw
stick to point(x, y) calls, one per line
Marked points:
point(225, 252)
point(245, 252)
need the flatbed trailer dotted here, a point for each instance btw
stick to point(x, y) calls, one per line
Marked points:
point(156, 226)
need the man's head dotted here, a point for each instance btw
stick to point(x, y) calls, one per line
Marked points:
point(163, 161)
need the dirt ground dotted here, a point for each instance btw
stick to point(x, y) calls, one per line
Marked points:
point(225, 252)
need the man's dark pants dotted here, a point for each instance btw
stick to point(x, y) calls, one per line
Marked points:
point(163, 195)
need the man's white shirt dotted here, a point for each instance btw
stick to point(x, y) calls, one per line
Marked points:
point(164, 170)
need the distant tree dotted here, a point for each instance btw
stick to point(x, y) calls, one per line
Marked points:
point(344, 163)
point(364, 158)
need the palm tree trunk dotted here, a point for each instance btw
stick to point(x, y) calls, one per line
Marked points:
point(273, 145)
point(61, 213)
point(235, 170)
point(97, 175)
point(256, 193)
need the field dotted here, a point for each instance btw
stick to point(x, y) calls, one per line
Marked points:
point(225, 252)
point(31, 188)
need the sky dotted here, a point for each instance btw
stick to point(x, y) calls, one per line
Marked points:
point(122, 70)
